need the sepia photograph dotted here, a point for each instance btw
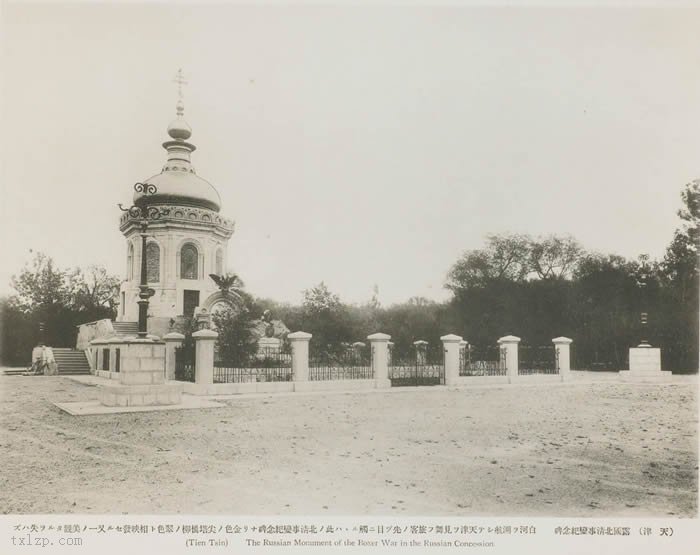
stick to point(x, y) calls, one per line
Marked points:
point(349, 276)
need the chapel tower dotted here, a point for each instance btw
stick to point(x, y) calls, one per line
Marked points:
point(184, 246)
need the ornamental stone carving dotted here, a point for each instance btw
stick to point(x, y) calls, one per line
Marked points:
point(189, 215)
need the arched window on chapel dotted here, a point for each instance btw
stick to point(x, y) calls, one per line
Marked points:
point(219, 262)
point(152, 263)
point(188, 262)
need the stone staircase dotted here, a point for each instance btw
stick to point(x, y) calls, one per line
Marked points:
point(71, 361)
point(126, 328)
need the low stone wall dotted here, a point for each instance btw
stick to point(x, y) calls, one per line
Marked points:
point(537, 378)
point(279, 387)
point(338, 385)
point(236, 388)
point(100, 329)
point(466, 381)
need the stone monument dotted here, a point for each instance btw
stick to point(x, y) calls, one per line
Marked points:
point(644, 360)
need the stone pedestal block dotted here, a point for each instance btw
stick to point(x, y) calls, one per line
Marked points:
point(269, 344)
point(645, 365)
point(141, 375)
point(140, 395)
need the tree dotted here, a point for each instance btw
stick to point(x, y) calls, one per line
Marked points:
point(93, 289)
point(554, 256)
point(505, 257)
point(678, 273)
point(40, 285)
point(605, 309)
point(58, 298)
point(319, 299)
point(236, 341)
point(680, 264)
point(327, 319)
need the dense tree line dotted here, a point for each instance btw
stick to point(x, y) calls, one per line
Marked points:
point(61, 299)
point(536, 288)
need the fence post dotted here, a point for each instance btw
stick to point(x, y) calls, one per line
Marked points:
point(380, 358)
point(204, 356)
point(451, 345)
point(173, 340)
point(300, 355)
point(563, 356)
point(510, 343)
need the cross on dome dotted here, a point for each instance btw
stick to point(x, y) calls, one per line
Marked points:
point(179, 129)
point(180, 80)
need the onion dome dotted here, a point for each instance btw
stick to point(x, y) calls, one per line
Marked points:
point(178, 183)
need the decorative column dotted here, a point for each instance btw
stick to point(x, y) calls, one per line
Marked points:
point(562, 352)
point(451, 345)
point(510, 343)
point(380, 358)
point(173, 340)
point(204, 356)
point(300, 355)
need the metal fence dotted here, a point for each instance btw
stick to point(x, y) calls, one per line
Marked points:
point(352, 363)
point(537, 360)
point(268, 365)
point(482, 361)
point(185, 361)
point(417, 365)
point(598, 361)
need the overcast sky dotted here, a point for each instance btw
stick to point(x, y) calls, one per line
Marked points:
point(359, 146)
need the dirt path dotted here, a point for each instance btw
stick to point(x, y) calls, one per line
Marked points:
point(574, 450)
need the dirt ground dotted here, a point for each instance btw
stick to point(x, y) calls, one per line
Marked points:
point(545, 450)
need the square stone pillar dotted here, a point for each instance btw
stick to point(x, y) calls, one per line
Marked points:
point(380, 358)
point(451, 345)
point(562, 352)
point(300, 355)
point(510, 344)
point(173, 340)
point(204, 356)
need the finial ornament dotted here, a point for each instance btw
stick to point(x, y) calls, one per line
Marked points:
point(180, 80)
